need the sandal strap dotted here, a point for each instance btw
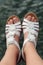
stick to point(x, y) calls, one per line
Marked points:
point(30, 38)
point(32, 28)
point(12, 30)
point(11, 40)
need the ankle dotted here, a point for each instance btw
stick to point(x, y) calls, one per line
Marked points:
point(28, 46)
point(12, 47)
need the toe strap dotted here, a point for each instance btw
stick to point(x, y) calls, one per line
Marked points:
point(29, 26)
point(13, 28)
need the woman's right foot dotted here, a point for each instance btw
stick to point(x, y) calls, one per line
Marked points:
point(13, 20)
point(13, 29)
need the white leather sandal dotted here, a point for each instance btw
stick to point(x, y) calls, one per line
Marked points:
point(32, 28)
point(11, 30)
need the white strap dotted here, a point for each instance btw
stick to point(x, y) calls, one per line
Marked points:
point(11, 40)
point(28, 25)
point(30, 38)
point(12, 30)
point(32, 28)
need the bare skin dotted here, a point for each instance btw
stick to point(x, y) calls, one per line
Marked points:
point(31, 55)
point(11, 55)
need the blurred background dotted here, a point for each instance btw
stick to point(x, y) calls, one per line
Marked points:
point(20, 8)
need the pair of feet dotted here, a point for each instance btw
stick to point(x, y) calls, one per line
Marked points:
point(30, 28)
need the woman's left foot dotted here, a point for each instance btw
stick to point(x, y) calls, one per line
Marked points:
point(30, 29)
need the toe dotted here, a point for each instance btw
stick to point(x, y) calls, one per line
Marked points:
point(10, 21)
point(28, 18)
point(33, 19)
point(15, 19)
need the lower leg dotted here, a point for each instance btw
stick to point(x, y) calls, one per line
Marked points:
point(10, 57)
point(30, 53)
point(32, 58)
point(12, 52)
